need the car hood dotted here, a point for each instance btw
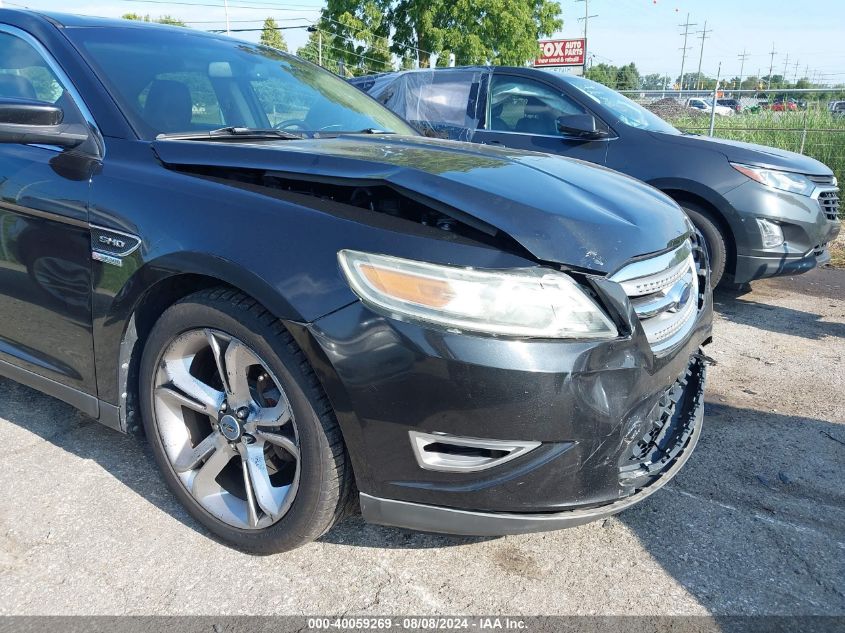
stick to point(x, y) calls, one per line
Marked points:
point(750, 153)
point(560, 210)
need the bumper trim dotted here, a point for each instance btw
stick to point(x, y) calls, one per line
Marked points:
point(428, 518)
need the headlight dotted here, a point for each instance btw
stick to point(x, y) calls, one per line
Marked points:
point(784, 180)
point(772, 233)
point(529, 302)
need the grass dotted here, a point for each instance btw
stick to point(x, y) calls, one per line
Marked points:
point(824, 139)
point(837, 253)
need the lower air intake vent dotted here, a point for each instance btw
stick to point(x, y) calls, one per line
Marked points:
point(450, 453)
point(664, 291)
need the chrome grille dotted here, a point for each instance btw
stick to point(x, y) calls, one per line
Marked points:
point(829, 202)
point(664, 291)
point(822, 180)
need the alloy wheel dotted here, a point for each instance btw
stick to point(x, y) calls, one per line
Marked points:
point(227, 428)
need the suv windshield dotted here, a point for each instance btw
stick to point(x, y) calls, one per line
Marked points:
point(171, 80)
point(622, 107)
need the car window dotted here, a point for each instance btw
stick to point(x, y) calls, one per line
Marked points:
point(182, 81)
point(442, 98)
point(205, 106)
point(524, 105)
point(626, 111)
point(25, 74)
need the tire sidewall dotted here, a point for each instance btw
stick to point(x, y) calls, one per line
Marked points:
point(714, 242)
point(296, 526)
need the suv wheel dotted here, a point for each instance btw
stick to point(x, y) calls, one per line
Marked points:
point(714, 242)
point(239, 426)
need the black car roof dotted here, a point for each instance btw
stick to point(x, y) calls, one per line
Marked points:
point(69, 20)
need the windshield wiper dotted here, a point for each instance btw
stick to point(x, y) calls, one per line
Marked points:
point(370, 130)
point(229, 133)
point(366, 130)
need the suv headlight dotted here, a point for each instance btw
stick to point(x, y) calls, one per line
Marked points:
point(527, 302)
point(784, 180)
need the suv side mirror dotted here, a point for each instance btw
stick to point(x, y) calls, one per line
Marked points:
point(580, 125)
point(37, 122)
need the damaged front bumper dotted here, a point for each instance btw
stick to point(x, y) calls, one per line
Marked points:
point(685, 430)
point(610, 422)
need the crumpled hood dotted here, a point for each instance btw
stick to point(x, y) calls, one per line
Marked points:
point(560, 210)
point(750, 153)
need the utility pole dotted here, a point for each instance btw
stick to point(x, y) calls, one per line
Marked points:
point(586, 20)
point(314, 29)
point(742, 59)
point(771, 66)
point(704, 33)
point(715, 94)
point(226, 9)
point(795, 79)
point(785, 64)
point(686, 26)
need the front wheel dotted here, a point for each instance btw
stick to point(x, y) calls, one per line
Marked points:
point(714, 242)
point(239, 426)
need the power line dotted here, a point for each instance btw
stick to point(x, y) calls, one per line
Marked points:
point(219, 5)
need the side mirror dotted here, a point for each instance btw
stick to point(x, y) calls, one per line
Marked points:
point(580, 125)
point(37, 122)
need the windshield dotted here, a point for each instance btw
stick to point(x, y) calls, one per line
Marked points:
point(169, 80)
point(622, 107)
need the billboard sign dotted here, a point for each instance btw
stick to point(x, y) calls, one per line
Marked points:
point(561, 53)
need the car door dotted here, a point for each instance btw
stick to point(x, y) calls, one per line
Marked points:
point(45, 248)
point(523, 112)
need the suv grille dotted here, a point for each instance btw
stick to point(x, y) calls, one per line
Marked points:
point(664, 291)
point(829, 202)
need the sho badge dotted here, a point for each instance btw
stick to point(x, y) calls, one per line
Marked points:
point(110, 246)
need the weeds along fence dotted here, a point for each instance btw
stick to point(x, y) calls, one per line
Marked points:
point(802, 121)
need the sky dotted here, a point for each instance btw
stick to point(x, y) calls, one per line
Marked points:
point(647, 32)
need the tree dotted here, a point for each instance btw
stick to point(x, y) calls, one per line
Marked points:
point(628, 78)
point(313, 48)
point(499, 32)
point(655, 81)
point(163, 19)
point(272, 36)
point(476, 31)
point(356, 34)
point(604, 74)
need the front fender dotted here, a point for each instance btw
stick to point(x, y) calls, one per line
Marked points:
point(701, 191)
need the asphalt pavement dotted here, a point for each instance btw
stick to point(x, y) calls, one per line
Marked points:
point(754, 524)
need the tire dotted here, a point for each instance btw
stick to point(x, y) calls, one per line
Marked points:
point(283, 475)
point(714, 242)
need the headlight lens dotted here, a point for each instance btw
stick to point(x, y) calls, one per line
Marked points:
point(784, 180)
point(529, 302)
point(772, 233)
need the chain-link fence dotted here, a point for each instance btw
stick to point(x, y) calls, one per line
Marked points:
point(810, 122)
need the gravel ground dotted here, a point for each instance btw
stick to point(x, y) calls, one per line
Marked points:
point(755, 524)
